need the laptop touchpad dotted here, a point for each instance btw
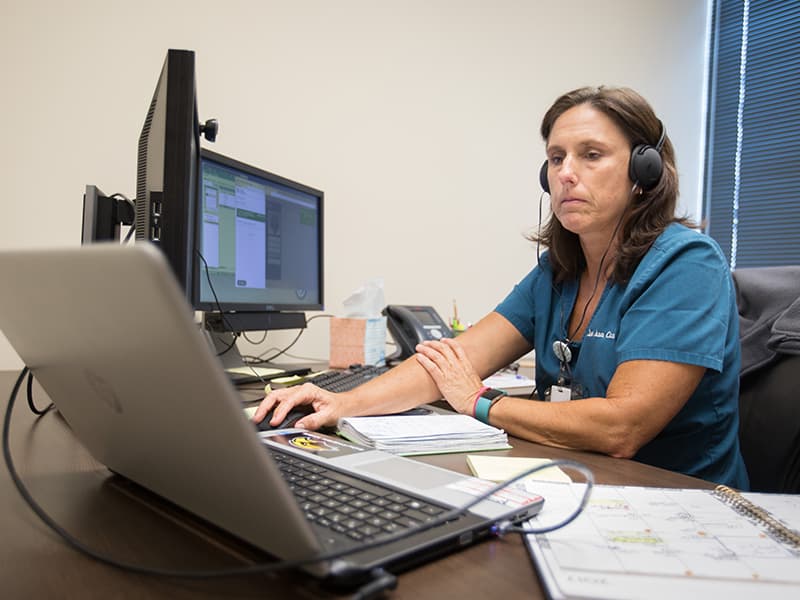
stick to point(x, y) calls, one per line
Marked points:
point(410, 473)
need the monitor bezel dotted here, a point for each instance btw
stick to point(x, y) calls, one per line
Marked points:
point(169, 159)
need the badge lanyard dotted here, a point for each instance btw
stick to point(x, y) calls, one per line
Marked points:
point(564, 388)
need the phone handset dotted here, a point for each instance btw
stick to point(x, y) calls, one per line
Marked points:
point(411, 324)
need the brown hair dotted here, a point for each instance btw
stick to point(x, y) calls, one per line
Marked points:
point(648, 215)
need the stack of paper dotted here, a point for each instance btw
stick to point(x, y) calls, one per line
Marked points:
point(423, 434)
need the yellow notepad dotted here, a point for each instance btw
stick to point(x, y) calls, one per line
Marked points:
point(501, 468)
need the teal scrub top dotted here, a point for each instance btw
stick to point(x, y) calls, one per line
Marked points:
point(679, 306)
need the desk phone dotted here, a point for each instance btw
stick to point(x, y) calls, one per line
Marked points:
point(412, 324)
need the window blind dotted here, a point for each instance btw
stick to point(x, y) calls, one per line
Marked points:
point(752, 171)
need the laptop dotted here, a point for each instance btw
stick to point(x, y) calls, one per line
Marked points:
point(106, 331)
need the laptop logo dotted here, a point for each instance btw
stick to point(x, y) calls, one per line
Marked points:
point(103, 391)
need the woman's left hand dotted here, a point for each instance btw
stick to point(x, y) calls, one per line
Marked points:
point(451, 370)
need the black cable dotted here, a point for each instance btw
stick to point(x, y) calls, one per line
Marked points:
point(260, 568)
point(507, 527)
point(308, 359)
point(230, 345)
point(596, 283)
point(129, 235)
point(539, 231)
point(216, 299)
point(235, 334)
point(259, 342)
point(260, 358)
point(132, 204)
point(31, 405)
point(381, 580)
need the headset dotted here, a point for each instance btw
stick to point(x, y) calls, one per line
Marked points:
point(644, 168)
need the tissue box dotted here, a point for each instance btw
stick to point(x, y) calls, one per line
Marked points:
point(357, 341)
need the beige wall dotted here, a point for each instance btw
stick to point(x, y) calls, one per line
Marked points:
point(418, 118)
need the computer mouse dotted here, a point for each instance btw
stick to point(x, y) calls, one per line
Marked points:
point(297, 413)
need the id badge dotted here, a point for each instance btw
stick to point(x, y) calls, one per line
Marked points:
point(560, 393)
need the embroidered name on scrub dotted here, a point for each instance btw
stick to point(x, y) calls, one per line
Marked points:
point(607, 335)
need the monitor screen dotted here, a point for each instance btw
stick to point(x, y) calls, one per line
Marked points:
point(259, 241)
point(166, 184)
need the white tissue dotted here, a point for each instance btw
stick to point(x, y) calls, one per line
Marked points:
point(367, 301)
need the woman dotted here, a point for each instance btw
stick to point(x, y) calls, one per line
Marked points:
point(632, 314)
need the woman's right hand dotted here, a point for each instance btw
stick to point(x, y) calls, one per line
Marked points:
point(327, 406)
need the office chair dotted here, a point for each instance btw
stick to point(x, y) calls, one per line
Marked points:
point(769, 426)
point(769, 403)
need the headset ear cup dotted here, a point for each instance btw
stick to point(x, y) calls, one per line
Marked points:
point(645, 166)
point(543, 178)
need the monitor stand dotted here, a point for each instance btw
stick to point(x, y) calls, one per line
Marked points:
point(223, 344)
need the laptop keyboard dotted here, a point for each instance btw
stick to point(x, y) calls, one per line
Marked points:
point(351, 508)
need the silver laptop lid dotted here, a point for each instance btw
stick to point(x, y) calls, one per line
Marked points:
point(97, 325)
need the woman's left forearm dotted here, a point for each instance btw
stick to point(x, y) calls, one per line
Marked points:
point(642, 398)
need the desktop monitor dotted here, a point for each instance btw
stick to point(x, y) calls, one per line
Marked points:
point(104, 216)
point(168, 165)
point(259, 263)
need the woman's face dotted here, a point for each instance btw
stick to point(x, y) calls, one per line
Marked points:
point(588, 156)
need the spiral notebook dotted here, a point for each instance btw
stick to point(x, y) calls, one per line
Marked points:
point(635, 542)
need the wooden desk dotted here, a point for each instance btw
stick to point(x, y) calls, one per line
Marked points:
point(122, 520)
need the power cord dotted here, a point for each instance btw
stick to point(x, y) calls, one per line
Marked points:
point(214, 293)
point(130, 217)
point(234, 334)
point(380, 579)
point(260, 359)
point(254, 342)
point(230, 345)
point(37, 411)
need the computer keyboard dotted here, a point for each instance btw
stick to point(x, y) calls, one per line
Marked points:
point(342, 381)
